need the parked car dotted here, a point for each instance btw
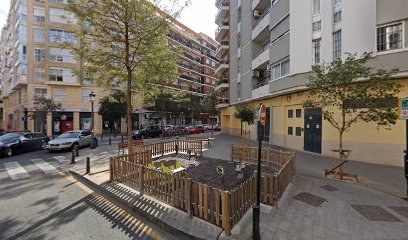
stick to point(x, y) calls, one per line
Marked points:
point(206, 126)
point(217, 128)
point(12, 143)
point(147, 132)
point(168, 127)
point(71, 140)
point(190, 129)
point(200, 129)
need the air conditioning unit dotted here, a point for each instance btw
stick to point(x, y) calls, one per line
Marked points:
point(258, 13)
point(255, 74)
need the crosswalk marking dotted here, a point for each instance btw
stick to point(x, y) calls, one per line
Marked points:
point(44, 166)
point(16, 171)
point(61, 159)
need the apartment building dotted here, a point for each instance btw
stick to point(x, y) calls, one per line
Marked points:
point(275, 43)
point(34, 62)
point(222, 35)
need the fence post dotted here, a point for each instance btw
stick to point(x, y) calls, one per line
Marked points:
point(226, 213)
point(111, 169)
point(141, 180)
point(188, 196)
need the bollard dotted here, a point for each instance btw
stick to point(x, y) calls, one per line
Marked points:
point(110, 141)
point(114, 134)
point(73, 157)
point(77, 152)
point(88, 165)
point(122, 138)
point(102, 136)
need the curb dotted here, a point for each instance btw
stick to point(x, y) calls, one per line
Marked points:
point(131, 209)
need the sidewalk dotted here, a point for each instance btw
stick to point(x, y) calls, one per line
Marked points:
point(384, 178)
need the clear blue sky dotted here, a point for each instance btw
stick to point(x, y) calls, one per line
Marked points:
point(199, 16)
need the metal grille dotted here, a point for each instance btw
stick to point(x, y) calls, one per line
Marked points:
point(375, 213)
point(403, 211)
point(310, 199)
point(329, 188)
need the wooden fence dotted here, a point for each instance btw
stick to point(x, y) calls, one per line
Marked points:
point(222, 208)
point(176, 146)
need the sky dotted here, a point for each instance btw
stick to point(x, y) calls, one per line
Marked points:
point(199, 15)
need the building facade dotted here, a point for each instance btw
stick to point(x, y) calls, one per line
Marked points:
point(280, 41)
point(34, 63)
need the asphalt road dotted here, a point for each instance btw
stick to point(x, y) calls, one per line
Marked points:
point(39, 200)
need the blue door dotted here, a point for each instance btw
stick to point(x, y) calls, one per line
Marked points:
point(313, 130)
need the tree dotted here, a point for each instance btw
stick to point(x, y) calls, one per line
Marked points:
point(246, 113)
point(46, 105)
point(113, 107)
point(122, 40)
point(208, 103)
point(350, 92)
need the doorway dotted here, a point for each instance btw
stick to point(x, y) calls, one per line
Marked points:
point(313, 130)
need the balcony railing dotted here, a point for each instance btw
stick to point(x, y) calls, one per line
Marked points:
point(260, 19)
point(260, 84)
point(263, 49)
point(222, 81)
point(223, 24)
point(196, 80)
point(222, 62)
point(225, 43)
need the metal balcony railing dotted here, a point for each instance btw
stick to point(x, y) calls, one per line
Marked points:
point(260, 19)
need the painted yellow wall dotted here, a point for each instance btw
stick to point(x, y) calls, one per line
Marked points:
point(367, 142)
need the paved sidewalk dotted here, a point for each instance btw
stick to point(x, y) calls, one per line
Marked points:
point(385, 178)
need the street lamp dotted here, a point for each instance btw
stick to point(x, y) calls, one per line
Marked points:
point(92, 100)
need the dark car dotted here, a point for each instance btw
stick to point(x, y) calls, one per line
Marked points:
point(12, 143)
point(147, 132)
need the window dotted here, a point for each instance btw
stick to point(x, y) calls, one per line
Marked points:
point(61, 16)
point(39, 74)
point(61, 55)
point(85, 95)
point(22, 32)
point(316, 51)
point(59, 94)
point(40, 1)
point(39, 35)
point(290, 113)
point(389, 37)
point(316, 7)
point(55, 74)
point(40, 92)
point(207, 61)
point(22, 69)
point(39, 55)
point(337, 17)
point(39, 15)
point(58, 36)
point(337, 44)
point(298, 113)
point(290, 130)
point(280, 69)
point(298, 131)
point(59, 1)
point(317, 26)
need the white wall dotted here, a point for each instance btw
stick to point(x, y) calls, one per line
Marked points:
point(300, 36)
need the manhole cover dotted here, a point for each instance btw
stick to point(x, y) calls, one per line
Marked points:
point(375, 213)
point(329, 188)
point(310, 199)
point(403, 211)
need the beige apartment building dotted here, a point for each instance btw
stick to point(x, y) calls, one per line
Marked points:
point(34, 62)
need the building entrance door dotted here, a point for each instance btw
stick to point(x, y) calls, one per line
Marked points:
point(313, 130)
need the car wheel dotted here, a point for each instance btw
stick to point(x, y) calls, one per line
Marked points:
point(75, 146)
point(9, 152)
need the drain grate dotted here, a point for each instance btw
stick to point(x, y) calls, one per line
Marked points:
point(310, 199)
point(403, 211)
point(329, 188)
point(375, 213)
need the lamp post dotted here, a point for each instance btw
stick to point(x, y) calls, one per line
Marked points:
point(92, 100)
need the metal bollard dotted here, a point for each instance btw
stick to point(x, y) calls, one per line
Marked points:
point(88, 165)
point(73, 157)
point(110, 141)
point(102, 136)
point(77, 152)
point(122, 138)
point(114, 134)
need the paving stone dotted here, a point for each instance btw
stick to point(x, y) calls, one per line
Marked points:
point(375, 213)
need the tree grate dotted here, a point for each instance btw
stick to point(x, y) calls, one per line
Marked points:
point(329, 188)
point(310, 199)
point(375, 213)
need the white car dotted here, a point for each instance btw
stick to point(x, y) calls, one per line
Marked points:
point(71, 140)
point(168, 127)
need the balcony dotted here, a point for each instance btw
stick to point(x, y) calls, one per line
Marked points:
point(222, 49)
point(222, 66)
point(223, 9)
point(19, 82)
point(261, 57)
point(259, 4)
point(222, 85)
point(260, 30)
point(221, 31)
point(222, 103)
point(261, 89)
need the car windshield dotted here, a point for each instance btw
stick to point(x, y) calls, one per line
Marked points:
point(9, 138)
point(69, 135)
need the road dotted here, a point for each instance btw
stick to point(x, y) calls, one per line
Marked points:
point(40, 200)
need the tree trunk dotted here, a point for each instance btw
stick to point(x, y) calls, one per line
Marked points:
point(341, 154)
point(129, 111)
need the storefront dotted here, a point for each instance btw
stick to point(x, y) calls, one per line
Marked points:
point(62, 122)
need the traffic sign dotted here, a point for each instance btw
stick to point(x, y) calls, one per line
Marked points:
point(403, 108)
point(219, 169)
point(262, 115)
point(24, 119)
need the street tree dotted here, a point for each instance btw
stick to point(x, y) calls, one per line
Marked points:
point(209, 103)
point(113, 107)
point(45, 106)
point(246, 113)
point(349, 91)
point(119, 41)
